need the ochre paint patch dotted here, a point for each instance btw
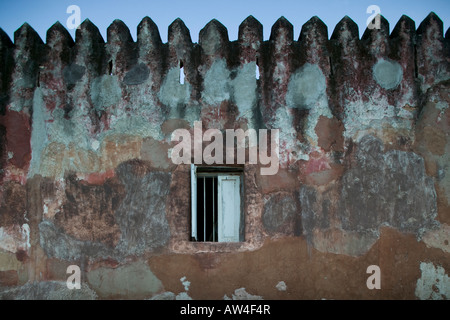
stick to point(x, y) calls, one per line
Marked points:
point(329, 131)
point(18, 135)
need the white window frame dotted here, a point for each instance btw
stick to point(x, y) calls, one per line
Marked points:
point(229, 206)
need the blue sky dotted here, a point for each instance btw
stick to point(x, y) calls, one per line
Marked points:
point(41, 14)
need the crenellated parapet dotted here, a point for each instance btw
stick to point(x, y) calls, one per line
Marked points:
point(93, 88)
point(97, 86)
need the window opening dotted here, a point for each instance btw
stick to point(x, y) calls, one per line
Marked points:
point(216, 204)
point(257, 70)
point(181, 73)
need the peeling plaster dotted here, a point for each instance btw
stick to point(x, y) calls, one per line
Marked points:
point(438, 238)
point(307, 91)
point(183, 296)
point(185, 283)
point(48, 290)
point(434, 283)
point(373, 117)
point(15, 238)
point(134, 279)
point(291, 149)
point(242, 294)
point(281, 286)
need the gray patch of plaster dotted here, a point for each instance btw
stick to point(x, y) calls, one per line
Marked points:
point(372, 116)
point(315, 209)
point(192, 113)
point(439, 238)
point(105, 92)
point(388, 74)
point(307, 91)
point(281, 286)
point(23, 77)
point(305, 87)
point(142, 230)
point(241, 294)
point(128, 281)
point(338, 241)
point(317, 221)
point(15, 239)
point(142, 213)
point(279, 212)
point(444, 171)
point(164, 296)
point(57, 244)
point(434, 283)
point(291, 149)
point(389, 188)
point(142, 126)
point(217, 83)
point(137, 75)
point(72, 125)
point(68, 133)
point(244, 91)
point(20, 103)
point(172, 92)
point(183, 296)
point(70, 143)
point(38, 134)
point(48, 290)
point(64, 130)
point(137, 117)
point(185, 283)
point(73, 73)
point(210, 41)
point(27, 80)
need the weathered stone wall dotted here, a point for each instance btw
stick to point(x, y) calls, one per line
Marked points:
point(86, 176)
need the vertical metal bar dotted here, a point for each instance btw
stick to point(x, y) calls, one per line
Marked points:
point(194, 203)
point(204, 208)
point(214, 214)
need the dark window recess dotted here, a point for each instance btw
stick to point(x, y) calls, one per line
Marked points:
point(207, 209)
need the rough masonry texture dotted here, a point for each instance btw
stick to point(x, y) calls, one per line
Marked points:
point(86, 176)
